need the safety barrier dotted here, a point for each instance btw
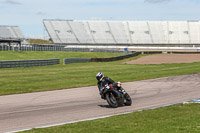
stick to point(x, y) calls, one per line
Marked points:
point(81, 60)
point(76, 60)
point(115, 58)
point(28, 63)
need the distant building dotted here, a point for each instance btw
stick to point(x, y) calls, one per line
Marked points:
point(123, 32)
point(11, 35)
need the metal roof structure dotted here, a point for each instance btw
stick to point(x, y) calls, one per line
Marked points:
point(10, 35)
point(123, 32)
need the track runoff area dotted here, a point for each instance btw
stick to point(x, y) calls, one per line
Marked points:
point(51, 108)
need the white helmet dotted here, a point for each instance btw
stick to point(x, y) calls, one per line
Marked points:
point(99, 76)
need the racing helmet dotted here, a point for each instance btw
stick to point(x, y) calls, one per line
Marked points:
point(99, 76)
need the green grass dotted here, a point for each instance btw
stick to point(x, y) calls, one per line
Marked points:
point(24, 80)
point(28, 55)
point(181, 118)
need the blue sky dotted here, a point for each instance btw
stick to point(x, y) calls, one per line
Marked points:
point(29, 14)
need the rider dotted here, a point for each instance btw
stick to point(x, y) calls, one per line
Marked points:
point(102, 81)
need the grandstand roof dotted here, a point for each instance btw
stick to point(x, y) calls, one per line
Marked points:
point(10, 33)
point(123, 32)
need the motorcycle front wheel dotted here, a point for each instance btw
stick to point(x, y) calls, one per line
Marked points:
point(128, 100)
point(111, 99)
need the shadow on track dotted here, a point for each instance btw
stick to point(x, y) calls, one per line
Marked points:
point(108, 106)
point(105, 106)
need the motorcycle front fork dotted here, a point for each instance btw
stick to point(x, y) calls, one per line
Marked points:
point(122, 90)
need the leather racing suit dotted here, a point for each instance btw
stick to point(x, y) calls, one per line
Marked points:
point(107, 81)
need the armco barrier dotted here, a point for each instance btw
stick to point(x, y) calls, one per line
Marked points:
point(115, 58)
point(28, 63)
point(75, 60)
point(81, 60)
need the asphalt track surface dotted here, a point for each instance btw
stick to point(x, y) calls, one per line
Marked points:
point(24, 111)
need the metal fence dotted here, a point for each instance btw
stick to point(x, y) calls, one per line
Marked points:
point(95, 50)
point(36, 47)
point(4, 47)
point(28, 63)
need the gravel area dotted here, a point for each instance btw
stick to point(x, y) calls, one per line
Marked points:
point(166, 58)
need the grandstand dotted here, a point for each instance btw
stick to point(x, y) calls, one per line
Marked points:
point(10, 35)
point(123, 32)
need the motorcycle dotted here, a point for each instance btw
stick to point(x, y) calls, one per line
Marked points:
point(116, 97)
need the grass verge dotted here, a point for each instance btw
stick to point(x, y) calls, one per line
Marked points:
point(181, 118)
point(28, 55)
point(34, 79)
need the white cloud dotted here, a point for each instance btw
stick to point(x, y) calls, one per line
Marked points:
point(12, 2)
